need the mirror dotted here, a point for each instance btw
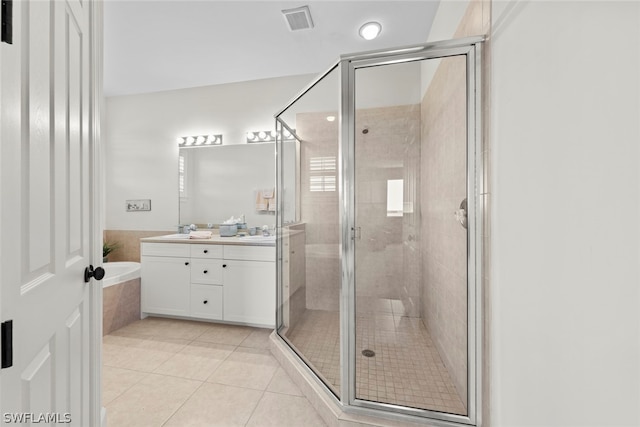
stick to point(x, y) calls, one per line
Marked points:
point(217, 182)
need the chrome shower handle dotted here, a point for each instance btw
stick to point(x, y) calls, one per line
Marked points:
point(461, 214)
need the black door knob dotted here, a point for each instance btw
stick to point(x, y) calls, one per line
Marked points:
point(206, 251)
point(186, 263)
point(205, 272)
point(224, 265)
point(205, 301)
point(97, 274)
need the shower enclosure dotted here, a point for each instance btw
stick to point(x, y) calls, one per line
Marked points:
point(379, 258)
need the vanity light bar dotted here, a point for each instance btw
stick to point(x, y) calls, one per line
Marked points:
point(196, 140)
point(268, 136)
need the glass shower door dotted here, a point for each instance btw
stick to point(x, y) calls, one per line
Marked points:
point(309, 242)
point(410, 271)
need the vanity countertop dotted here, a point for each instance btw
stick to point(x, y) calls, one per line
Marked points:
point(214, 240)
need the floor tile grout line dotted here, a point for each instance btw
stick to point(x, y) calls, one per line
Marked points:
point(255, 407)
point(183, 403)
point(256, 348)
point(128, 388)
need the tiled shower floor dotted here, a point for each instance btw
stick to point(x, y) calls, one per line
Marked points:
point(406, 369)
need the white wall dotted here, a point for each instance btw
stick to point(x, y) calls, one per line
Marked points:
point(140, 140)
point(141, 153)
point(565, 210)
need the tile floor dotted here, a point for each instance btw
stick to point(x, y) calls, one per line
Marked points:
point(166, 372)
point(406, 369)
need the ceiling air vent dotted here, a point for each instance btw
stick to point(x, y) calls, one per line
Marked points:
point(298, 18)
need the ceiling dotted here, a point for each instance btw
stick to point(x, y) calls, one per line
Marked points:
point(153, 45)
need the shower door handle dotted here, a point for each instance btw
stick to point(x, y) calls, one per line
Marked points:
point(355, 233)
point(461, 214)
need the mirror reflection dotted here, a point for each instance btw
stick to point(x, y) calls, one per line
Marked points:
point(217, 182)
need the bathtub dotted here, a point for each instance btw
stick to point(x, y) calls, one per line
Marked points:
point(119, 272)
point(121, 295)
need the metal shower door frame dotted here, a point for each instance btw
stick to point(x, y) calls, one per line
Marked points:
point(471, 49)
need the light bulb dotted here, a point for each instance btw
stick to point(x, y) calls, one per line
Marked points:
point(251, 136)
point(190, 140)
point(262, 135)
point(211, 139)
point(287, 134)
point(180, 140)
point(370, 30)
point(273, 134)
point(200, 140)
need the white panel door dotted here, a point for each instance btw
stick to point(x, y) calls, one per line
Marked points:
point(47, 214)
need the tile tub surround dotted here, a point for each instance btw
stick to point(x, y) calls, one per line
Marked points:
point(121, 305)
point(129, 241)
point(169, 372)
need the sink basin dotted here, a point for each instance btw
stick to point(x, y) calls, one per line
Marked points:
point(174, 236)
point(258, 238)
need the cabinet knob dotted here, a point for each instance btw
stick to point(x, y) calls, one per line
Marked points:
point(186, 263)
point(224, 265)
point(205, 301)
point(205, 272)
point(206, 251)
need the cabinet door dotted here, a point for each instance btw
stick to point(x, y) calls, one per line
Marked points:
point(165, 285)
point(250, 292)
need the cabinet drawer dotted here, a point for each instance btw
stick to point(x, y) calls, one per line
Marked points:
point(206, 271)
point(206, 301)
point(206, 251)
point(165, 249)
point(250, 253)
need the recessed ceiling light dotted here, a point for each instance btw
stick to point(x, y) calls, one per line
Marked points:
point(370, 30)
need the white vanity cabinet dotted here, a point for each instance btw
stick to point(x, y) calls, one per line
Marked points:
point(234, 283)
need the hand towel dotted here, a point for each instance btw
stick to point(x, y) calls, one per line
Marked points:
point(272, 203)
point(204, 234)
point(261, 202)
point(268, 193)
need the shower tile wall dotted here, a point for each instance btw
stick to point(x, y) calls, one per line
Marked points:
point(386, 258)
point(444, 246)
point(319, 209)
point(389, 150)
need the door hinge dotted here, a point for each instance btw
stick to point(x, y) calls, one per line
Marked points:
point(7, 21)
point(7, 344)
